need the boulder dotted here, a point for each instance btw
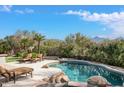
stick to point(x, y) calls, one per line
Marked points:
point(52, 79)
point(64, 79)
point(61, 78)
point(57, 78)
point(61, 84)
point(45, 66)
point(97, 81)
point(46, 79)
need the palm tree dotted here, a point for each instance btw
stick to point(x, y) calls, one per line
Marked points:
point(38, 38)
point(24, 43)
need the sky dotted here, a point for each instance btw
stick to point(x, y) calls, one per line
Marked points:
point(56, 22)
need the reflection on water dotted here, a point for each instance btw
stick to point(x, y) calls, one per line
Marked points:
point(80, 73)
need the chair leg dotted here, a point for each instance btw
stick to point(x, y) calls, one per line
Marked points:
point(14, 78)
point(0, 84)
point(31, 75)
point(26, 74)
point(7, 79)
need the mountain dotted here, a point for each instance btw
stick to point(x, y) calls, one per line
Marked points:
point(120, 38)
point(98, 39)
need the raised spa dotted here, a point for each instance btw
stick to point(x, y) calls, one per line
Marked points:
point(81, 71)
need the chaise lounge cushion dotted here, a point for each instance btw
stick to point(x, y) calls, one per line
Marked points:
point(13, 73)
point(2, 70)
point(22, 70)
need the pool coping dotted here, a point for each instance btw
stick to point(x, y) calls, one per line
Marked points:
point(108, 67)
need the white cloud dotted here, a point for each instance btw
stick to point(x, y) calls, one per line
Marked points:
point(6, 8)
point(29, 10)
point(19, 11)
point(25, 11)
point(113, 21)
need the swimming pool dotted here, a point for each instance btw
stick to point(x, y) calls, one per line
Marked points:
point(81, 72)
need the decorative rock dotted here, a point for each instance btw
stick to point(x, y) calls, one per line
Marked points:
point(97, 81)
point(45, 66)
point(52, 79)
point(61, 78)
point(46, 79)
point(61, 84)
point(57, 78)
point(64, 79)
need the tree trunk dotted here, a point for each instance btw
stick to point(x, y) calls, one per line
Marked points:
point(39, 47)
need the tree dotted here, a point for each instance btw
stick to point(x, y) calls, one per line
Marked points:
point(4, 47)
point(75, 45)
point(24, 43)
point(11, 41)
point(38, 38)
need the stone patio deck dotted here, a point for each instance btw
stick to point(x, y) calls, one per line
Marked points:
point(38, 73)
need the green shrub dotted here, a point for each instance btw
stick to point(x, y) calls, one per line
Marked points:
point(18, 54)
point(34, 55)
point(24, 54)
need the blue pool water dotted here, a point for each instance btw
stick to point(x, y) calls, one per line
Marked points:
point(81, 72)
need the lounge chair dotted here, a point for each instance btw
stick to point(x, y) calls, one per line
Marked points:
point(27, 58)
point(14, 73)
point(40, 56)
point(34, 60)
